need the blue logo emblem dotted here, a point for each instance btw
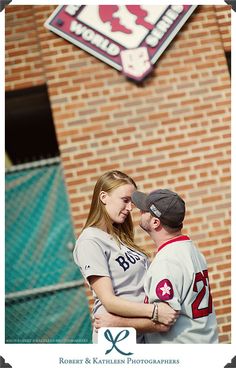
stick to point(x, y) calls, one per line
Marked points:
point(119, 337)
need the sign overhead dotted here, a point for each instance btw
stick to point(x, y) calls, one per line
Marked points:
point(130, 38)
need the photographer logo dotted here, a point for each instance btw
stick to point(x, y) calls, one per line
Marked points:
point(117, 340)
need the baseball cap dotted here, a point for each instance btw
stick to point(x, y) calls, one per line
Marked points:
point(164, 204)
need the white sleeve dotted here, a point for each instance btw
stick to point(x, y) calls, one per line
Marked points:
point(91, 258)
point(164, 283)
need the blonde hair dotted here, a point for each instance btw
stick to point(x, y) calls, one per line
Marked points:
point(98, 215)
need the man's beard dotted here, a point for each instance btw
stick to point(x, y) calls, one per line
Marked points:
point(145, 226)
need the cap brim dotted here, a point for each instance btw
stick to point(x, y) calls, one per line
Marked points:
point(139, 199)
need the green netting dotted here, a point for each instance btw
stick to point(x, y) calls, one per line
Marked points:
point(39, 235)
point(60, 317)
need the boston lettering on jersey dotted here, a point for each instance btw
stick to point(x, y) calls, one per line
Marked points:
point(131, 257)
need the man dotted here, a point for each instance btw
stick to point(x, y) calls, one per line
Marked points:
point(178, 274)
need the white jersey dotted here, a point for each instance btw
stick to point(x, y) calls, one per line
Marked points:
point(97, 253)
point(178, 275)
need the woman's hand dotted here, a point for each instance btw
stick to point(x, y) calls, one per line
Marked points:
point(166, 314)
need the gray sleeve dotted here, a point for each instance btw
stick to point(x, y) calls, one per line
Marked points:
point(91, 258)
point(164, 284)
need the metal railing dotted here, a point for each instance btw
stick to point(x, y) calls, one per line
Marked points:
point(42, 290)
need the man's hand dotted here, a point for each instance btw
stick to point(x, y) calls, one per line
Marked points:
point(166, 314)
point(106, 320)
point(141, 324)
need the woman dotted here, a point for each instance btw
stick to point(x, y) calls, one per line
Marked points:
point(109, 259)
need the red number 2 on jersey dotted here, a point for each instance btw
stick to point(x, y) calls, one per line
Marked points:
point(196, 310)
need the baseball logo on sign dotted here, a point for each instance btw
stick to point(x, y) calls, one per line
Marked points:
point(128, 37)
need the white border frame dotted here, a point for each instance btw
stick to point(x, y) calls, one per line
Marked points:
point(42, 355)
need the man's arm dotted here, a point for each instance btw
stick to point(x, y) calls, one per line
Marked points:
point(140, 324)
point(103, 288)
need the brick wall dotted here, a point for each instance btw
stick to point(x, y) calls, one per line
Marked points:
point(172, 131)
point(24, 66)
point(223, 16)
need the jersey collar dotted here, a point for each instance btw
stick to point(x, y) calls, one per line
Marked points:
point(177, 239)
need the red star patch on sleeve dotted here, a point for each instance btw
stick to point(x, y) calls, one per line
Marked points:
point(164, 290)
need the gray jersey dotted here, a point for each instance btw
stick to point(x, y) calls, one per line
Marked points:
point(178, 275)
point(97, 253)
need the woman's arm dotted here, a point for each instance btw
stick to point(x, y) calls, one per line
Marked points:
point(140, 324)
point(102, 287)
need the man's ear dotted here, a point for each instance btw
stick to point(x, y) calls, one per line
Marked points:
point(103, 197)
point(155, 223)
